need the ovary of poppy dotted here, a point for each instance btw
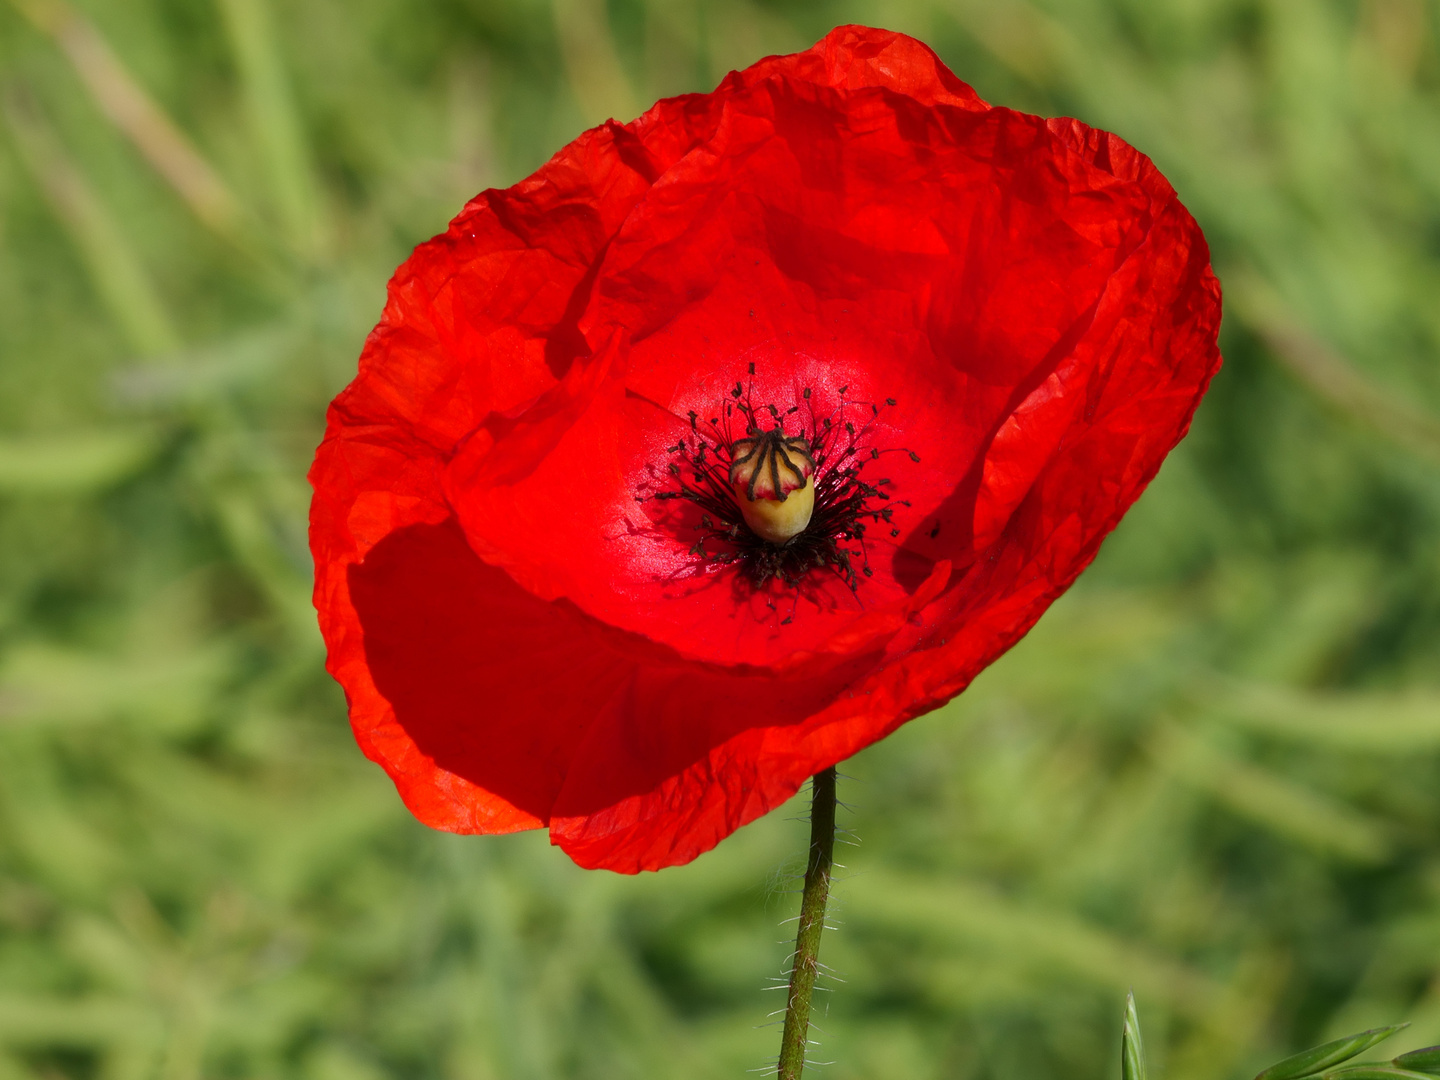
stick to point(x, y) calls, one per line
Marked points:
point(524, 631)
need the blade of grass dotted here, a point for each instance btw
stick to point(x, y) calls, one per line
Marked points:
point(1306, 816)
point(1320, 1058)
point(76, 462)
point(276, 125)
point(1371, 722)
point(1050, 939)
point(1425, 1060)
point(136, 114)
point(1132, 1049)
point(1326, 373)
point(252, 541)
point(115, 270)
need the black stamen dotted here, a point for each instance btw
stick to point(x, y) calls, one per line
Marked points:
point(835, 537)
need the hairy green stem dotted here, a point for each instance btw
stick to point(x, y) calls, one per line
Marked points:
point(806, 964)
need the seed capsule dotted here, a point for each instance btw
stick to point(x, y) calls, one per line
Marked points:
point(771, 476)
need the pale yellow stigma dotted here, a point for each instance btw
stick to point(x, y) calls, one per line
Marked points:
point(771, 476)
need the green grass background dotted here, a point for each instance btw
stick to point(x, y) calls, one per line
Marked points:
point(1210, 773)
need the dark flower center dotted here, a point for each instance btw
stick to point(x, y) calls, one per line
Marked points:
point(780, 506)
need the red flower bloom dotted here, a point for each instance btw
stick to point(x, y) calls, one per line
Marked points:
point(529, 636)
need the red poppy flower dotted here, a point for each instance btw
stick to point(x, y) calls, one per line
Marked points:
point(984, 331)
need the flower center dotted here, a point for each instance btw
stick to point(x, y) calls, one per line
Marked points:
point(782, 505)
point(771, 478)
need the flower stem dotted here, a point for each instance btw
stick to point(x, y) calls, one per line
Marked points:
point(805, 966)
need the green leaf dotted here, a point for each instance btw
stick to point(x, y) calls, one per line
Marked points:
point(1132, 1048)
point(1320, 1058)
point(1423, 1061)
point(1375, 1072)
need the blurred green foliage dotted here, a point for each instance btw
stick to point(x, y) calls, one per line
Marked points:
point(1212, 773)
